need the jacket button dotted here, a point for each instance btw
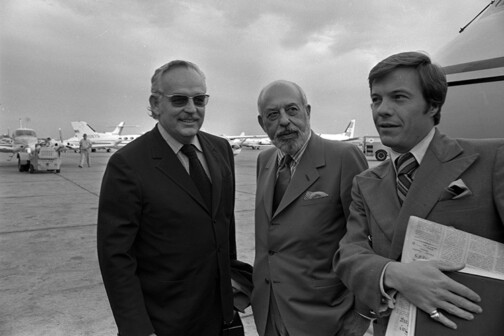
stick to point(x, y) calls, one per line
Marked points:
point(266, 280)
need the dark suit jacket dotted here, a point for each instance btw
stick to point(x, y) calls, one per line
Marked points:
point(375, 210)
point(165, 257)
point(294, 246)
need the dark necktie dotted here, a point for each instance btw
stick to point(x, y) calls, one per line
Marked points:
point(198, 174)
point(406, 165)
point(283, 179)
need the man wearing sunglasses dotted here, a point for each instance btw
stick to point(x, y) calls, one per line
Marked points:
point(166, 235)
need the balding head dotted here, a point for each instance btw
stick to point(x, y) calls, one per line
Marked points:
point(278, 85)
point(284, 115)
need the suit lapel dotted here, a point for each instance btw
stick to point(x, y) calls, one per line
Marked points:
point(441, 165)
point(306, 172)
point(168, 163)
point(379, 194)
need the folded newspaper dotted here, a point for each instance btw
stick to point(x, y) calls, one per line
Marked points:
point(426, 240)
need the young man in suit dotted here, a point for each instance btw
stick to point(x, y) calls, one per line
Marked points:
point(164, 243)
point(407, 93)
point(297, 229)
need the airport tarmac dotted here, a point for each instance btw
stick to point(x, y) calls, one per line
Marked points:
point(50, 283)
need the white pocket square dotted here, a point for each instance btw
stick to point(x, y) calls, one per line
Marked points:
point(314, 195)
point(458, 189)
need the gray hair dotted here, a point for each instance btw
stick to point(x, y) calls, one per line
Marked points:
point(158, 75)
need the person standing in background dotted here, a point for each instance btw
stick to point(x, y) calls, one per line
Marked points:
point(84, 147)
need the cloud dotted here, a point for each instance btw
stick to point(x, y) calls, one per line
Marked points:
point(92, 60)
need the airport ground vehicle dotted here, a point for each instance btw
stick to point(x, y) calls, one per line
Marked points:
point(372, 146)
point(42, 159)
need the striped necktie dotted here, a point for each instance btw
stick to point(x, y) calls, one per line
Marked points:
point(406, 165)
point(283, 179)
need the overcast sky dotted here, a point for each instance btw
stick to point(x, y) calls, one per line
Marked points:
point(69, 60)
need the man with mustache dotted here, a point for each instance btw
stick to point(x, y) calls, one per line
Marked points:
point(166, 229)
point(302, 200)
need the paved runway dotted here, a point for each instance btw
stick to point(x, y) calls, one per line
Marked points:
point(50, 283)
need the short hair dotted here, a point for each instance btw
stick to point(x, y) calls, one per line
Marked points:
point(432, 77)
point(158, 74)
point(301, 92)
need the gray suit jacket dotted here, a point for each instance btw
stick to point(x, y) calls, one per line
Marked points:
point(375, 213)
point(294, 245)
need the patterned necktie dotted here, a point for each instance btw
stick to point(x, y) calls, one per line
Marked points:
point(198, 174)
point(283, 179)
point(406, 165)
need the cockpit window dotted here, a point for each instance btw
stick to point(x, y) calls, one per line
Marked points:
point(24, 133)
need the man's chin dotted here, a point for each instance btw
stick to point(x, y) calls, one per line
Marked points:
point(190, 129)
point(290, 147)
point(185, 133)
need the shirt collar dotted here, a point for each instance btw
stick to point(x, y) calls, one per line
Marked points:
point(418, 150)
point(174, 144)
point(296, 157)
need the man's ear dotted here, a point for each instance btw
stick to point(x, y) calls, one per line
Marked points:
point(308, 109)
point(433, 109)
point(260, 120)
point(153, 100)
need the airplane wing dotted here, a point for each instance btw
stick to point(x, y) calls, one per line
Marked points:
point(6, 148)
point(351, 139)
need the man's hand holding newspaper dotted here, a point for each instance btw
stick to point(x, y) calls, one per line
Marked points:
point(424, 284)
point(429, 250)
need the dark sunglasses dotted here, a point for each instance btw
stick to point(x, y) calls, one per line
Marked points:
point(179, 100)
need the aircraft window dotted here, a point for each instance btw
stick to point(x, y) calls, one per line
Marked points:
point(24, 133)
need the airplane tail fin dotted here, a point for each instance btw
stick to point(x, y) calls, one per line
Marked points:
point(119, 128)
point(82, 127)
point(60, 135)
point(349, 131)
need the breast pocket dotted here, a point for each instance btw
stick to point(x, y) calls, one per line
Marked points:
point(316, 201)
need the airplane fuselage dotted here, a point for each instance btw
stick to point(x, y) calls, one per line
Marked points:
point(474, 66)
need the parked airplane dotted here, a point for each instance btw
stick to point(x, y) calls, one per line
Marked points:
point(23, 139)
point(22, 142)
point(235, 143)
point(257, 143)
point(474, 65)
point(347, 135)
point(105, 141)
point(242, 140)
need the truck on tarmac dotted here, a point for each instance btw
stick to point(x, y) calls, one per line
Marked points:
point(41, 159)
point(372, 146)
